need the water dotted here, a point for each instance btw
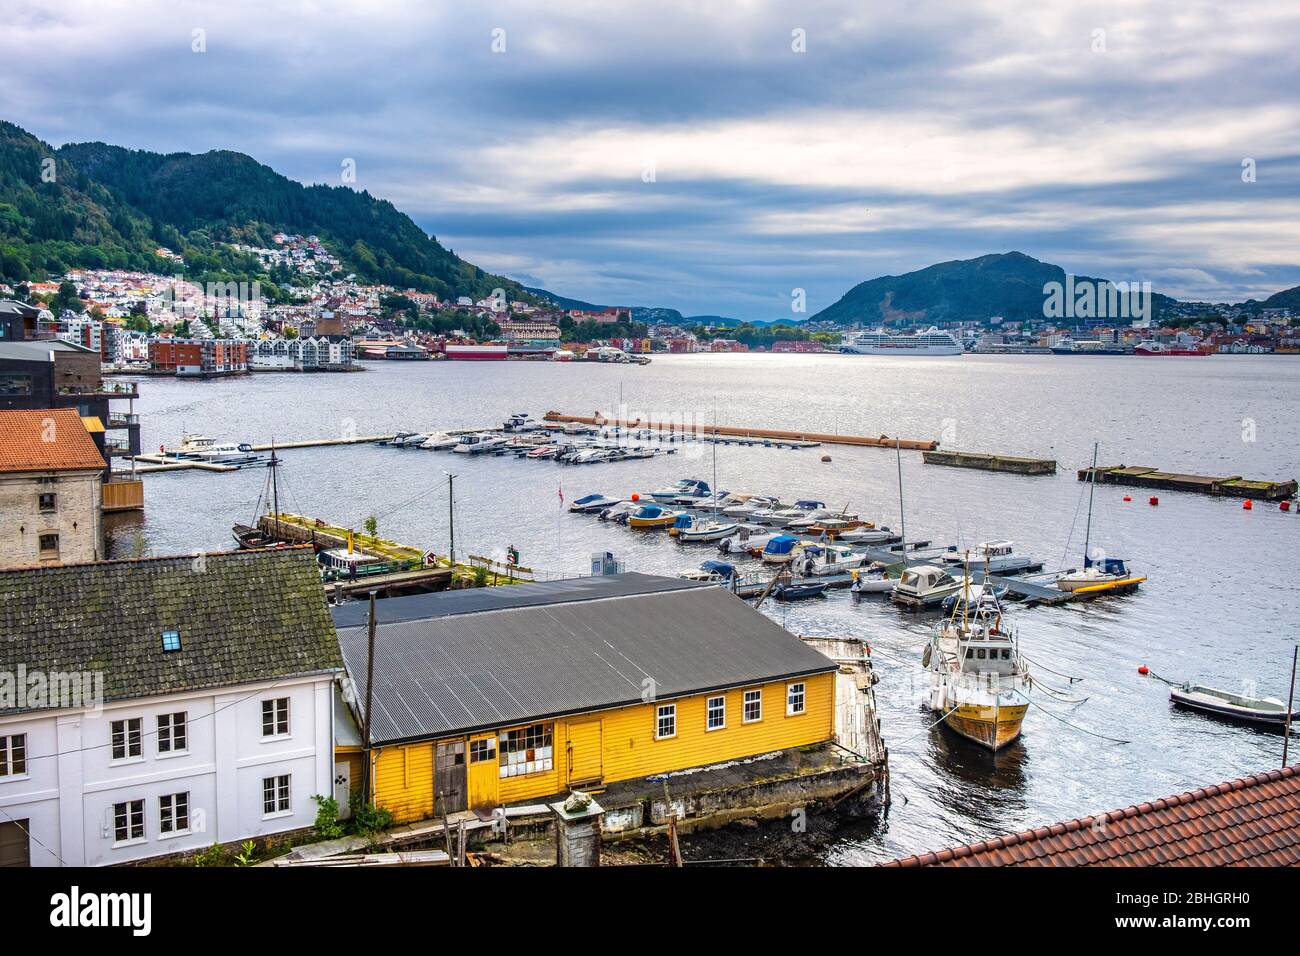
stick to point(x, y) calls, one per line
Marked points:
point(1219, 605)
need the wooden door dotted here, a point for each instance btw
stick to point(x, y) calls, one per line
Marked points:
point(15, 848)
point(484, 773)
point(449, 776)
point(584, 752)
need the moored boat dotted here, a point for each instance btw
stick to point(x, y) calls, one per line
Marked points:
point(592, 504)
point(780, 549)
point(479, 443)
point(924, 585)
point(1265, 711)
point(651, 517)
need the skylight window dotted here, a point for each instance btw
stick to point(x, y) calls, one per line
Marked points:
point(171, 641)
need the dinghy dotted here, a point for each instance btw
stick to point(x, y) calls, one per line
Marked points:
point(1267, 711)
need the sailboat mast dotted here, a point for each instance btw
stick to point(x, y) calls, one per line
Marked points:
point(1092, 488)
point(902, 517)
point(275, 485)
point(715, 458)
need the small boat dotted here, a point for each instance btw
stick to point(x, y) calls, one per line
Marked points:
point(924, 585)
point(209, 449)
point(684, 487)
point(717, 572)
point(651, 517)
point(520, 422)
point(1266, 711)
point(620, 512)
point(409, 440)
point(593, 504)
point(479, 443)
point(825, 559)
point(700, 497)
point(1097, 577)
point(996, 557)
point(249, 538)
point(542, 452)
point(816, 517)
point(873, 579)
point(747, 538)
point(703, 531)
point(781, 517)
point(438, 441)
point(833, 528)
point(798, 592)
point(751, 506)
point(579, 428)
point(780, 549)
point(866, 535)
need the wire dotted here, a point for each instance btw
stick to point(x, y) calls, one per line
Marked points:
point(32, 836)
point(1091, 733)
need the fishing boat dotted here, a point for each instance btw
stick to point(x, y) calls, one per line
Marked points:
point(651, 517)
point(999, 557)
point(978, 680)
point(1098, 576)
point(925, 585)
point(716, 572)
point(780, 549)
point(820, 560)
point(438, 441)
point(479, 443)
point(799, 591)
point(593, 504)
point(684, 486)
point(1265, 711)
point(873, 579)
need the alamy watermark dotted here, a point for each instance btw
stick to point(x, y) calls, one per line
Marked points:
point(1092, 299)
point(24, 689)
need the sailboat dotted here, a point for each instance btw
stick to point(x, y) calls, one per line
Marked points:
point(978, 680)
point(251, 537)
point(1097, 576)
point(711, 529)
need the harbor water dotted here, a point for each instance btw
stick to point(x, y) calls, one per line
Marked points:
point(1219, 605)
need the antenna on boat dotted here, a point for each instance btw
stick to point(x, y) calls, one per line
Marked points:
point(1092, 489)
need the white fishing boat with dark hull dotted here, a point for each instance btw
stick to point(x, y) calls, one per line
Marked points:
point(1263, 711)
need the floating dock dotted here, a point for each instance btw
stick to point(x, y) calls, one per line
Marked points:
point(1231, 486)
point(712, 431)
point(986, 462)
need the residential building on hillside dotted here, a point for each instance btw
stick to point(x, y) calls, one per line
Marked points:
point(184, 701)
point(51, 489)
point(201, 358)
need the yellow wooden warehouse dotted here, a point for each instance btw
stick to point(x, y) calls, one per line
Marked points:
point(493, 696)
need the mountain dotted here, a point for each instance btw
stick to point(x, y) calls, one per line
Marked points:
point(106, 206)
point(1007, 284)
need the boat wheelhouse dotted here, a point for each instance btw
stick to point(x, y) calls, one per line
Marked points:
point(479, 443)
point(995, 557)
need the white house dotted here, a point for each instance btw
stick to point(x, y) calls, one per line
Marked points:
point(156, 706)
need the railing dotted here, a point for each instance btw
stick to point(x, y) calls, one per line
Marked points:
point(123, 389)
point(122, 420)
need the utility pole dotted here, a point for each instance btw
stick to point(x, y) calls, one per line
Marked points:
point(370, 690)
point(451, 519)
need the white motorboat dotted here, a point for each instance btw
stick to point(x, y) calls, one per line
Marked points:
point(996, 557)
point(707, 531)
point(815, 517)
point(750, 506)
point(579, 428)
point(413, 440)
point(479, 443)
point(825, 559)
point(779, 518)
point(685, 486)
point(866, 536)
point(748, 539)
point(713, 572)
point(620, 512)
point(438, 441)
point(593, 504)
point(780, 549)
point(873, 579)
point(209, 449)
point(924, 585)
point(520, 422)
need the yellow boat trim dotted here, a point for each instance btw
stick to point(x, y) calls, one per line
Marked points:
point(1109, 586)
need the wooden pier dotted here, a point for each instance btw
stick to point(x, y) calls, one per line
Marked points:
point(1231, 486)
point(986, 462)
point(709, 431)
point(154, 463)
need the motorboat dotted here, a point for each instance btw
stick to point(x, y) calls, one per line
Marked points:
point(837, 527)
point(825, 559)
point(438, 441)
point(699, 497)
point(873, 579)
point(752, 504)
point(867, 535)
point(979, 683)
point(780, 549)
point(593, 504)
point(703, 531)
point(800, 591)
point(542, 452)
point(715, 572)
point(816, 517)
point(686, 486)
point(587, 456)
point(996, 557)
point(747, 538)
point(924, 585)
point(781, 517)
point(620, 512)
point(479, 443)
point(208, 449)
point(1266, 711)
point(520, 422)
point(412, 440)
point(579, 428)
point(651, 517)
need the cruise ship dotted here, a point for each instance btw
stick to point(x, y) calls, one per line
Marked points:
point(929, 342)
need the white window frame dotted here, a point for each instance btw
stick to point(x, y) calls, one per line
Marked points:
point(660, 716)
point(170, 802)
point(758, 698)
point(7, 765)
point(708, 713)
point(130, 840)
point(802, 695)
point(127, 756)
point(275, 786)
point(174, 719)
point(276, 733)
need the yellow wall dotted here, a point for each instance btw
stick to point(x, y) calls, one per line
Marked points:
point(404, 773)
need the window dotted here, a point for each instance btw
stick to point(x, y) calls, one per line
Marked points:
point(47, 501)
point(13, 755)
point(753, 706)
point(171, 641)
point(275, 717)
point(173, 733)
point(126, 738)
point(128, 821)
point(482, 750)
point(525, 750)
point(15, 385)
point(666, 721)
point(794, 699)
point(717, 713)
point(49, 545)
point(275, 795)
point(174, 813)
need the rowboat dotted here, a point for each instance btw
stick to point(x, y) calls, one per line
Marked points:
point(1268, 711)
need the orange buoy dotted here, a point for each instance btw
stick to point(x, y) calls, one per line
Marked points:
point(1128, 497)
point(1153, 500)
point(636, 497)
point(1247, 505)
point(1142, 669)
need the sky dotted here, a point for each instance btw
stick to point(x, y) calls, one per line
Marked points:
point(715, 157)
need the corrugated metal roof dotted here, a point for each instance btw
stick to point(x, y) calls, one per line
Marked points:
point(574, 653)
point(1252, 821)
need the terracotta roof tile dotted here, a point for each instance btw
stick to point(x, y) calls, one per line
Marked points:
point(1253, 821)
point(46, 439)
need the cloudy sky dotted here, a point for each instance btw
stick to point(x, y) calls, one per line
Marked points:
point(713, 156)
